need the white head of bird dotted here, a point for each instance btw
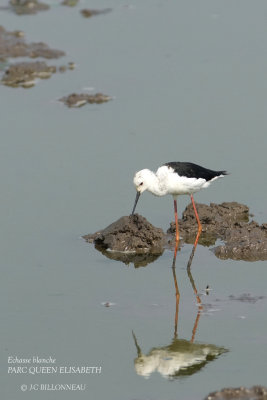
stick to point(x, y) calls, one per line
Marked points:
point(142, 180)
point(147, 180)
point(141, 183)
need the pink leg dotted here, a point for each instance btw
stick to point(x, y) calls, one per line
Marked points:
point(198, 221)
point(176, 220)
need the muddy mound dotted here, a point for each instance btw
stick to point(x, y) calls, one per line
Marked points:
point(215, 219)
point(130, 234)
point(243, 240)
point(254, 393)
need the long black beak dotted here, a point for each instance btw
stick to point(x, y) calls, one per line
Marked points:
point(136, 200)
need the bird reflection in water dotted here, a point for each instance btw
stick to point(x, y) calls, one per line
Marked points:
point(182, 357)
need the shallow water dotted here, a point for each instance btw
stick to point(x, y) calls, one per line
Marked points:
point(189, 83)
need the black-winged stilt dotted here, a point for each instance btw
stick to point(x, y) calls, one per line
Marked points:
point(176, 178)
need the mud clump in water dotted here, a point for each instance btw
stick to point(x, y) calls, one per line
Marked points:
point(79, 100)
point(241, 393)
point(87, 13)
point(12, 44)
point(130, 234)
point(229, 222)
point(22, 7)
point(24, 74)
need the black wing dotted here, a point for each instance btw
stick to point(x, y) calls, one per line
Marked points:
point(191, 170)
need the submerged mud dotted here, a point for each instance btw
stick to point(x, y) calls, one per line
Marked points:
point(246, 298)
point(87, 13)
point(229, 222)
point(70, 3)
point(79, 100)
point(26, 7)
point(241, 393)
point(12, 44)
point(24, 74)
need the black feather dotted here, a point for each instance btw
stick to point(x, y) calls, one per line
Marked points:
point(191, 170)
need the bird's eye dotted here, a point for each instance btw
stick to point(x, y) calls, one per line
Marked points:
point(141, 183)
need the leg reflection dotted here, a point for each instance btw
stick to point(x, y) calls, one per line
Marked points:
point(177, 293)
point(200, 308)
